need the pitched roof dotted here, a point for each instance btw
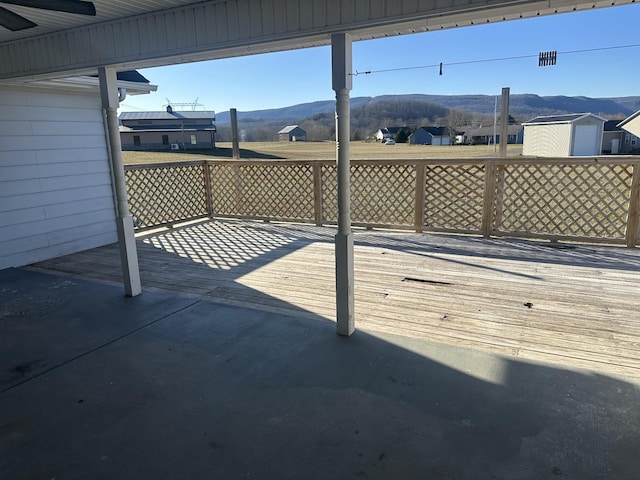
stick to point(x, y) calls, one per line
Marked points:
point(489, 131)
point(289, 129)
point(566, 118)
point(628, 119)
point(612, 125)
point(435, 131)
point(164, 115)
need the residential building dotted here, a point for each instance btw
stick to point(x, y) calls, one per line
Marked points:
point(167, 130)
point(430, 136)
point(386, 133)
point(630, 142)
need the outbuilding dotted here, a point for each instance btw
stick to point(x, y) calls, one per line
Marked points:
point(576, 134)
point(292, 133)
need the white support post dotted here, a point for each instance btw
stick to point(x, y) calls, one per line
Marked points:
point(126, 237)
point(342, 81)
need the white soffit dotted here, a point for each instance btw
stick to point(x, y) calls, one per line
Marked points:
point(141, 34)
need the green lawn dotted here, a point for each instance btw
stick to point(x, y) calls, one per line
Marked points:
point(321, 151)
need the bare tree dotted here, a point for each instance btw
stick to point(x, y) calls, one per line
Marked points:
point(455, 120)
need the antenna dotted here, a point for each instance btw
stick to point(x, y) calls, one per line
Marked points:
point(193, 106)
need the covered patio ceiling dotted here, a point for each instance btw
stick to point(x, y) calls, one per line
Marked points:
point(139, 34)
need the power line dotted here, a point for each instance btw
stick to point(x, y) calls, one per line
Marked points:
point(439, 65)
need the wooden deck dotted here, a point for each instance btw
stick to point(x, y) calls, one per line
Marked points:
point(571, 304)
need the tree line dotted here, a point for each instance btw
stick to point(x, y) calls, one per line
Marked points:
point(366, 120)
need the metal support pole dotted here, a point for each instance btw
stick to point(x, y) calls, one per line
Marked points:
point(235, 147)
point(124, 222)
point(504, 122)
point(341, 76)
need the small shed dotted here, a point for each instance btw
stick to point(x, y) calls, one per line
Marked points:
point(576, 134)
point(430, 136)
point(292, 133)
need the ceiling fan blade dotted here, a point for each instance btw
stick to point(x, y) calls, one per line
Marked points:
point(13, 21)
point(70, 6)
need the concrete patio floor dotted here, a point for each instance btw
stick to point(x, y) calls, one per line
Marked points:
point(96, 385)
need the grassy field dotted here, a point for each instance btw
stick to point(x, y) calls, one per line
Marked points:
point(321, 151)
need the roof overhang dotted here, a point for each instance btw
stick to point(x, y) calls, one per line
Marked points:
point(631, 124)
point(83, 83)
point(150, 33)
point(559, 121)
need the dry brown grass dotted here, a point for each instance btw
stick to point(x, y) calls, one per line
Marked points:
point(321, 151)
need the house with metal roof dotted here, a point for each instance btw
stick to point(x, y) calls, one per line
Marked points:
point(167, 130)
point(430, 136)
point(576, 134)
point(292, 133)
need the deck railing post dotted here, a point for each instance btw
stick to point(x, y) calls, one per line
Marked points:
point(207, 186)
point(317, 194)
point(490, 173)
point(421, 173)
point(633, 218)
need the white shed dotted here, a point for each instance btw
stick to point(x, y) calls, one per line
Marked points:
point(577, 134)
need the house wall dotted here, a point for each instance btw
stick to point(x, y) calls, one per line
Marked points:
point(153, 140)
point(633, 126)
point(630, 143)
point(55, 182)
point(553, 140)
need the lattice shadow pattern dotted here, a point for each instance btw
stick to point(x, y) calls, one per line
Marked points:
point(564, 200)
point(263, 191)
point(454, 197)
point(380, 194)
point(161, 195)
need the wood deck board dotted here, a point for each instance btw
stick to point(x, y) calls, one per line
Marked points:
point(578, 305)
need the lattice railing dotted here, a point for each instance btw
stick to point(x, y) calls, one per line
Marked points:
point(381, 194)
point(454, 197)
point(168, 193)
point(265, 190)
point(584, 199)
point(564, 200)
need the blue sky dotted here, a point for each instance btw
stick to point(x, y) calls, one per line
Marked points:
point(287, 78)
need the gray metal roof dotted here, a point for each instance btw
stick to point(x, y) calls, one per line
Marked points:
point(289, 129)
point(163, 115)
point(567, 118)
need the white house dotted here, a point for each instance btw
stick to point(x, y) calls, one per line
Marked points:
point(56, 194)
point(578, 134)
point(631, 137)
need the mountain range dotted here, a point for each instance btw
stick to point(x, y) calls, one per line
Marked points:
point(521, 106)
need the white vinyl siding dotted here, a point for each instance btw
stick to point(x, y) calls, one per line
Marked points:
point(547, 140)
point(55, 181)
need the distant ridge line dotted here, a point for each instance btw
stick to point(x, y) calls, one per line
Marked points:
point(521, 105)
